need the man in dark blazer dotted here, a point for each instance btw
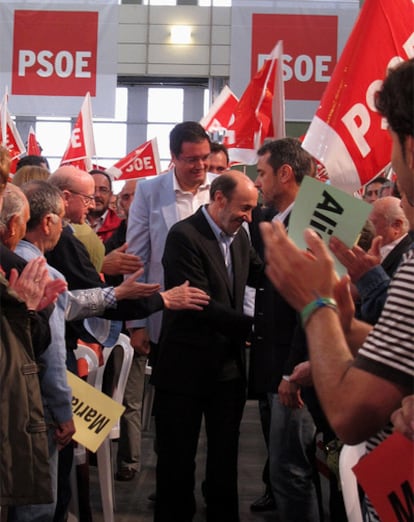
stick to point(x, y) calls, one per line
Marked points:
point(200, 368)
point(282, 165)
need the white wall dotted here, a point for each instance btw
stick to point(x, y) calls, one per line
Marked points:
point(144, 46)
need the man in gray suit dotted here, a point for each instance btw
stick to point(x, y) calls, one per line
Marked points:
point(158, 204)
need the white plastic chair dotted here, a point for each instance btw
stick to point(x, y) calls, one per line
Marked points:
point(104, 454)
point(90, 356)
point(148, 399)
point(79, 456)
point(349, 456)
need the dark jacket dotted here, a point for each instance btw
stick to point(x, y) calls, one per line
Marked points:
point(39, 322)
point(194, 346)
point(274, 351)
point(24, 464)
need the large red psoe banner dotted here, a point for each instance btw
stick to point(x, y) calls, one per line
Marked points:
point(57, 56)
point(347, 134)
point(309, 50)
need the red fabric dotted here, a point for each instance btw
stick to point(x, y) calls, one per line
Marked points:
point(111, 223)
point(97, 348)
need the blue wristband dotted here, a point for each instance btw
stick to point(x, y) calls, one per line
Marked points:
point(320, 302)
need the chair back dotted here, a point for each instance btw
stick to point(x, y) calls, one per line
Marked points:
point(111, 378)
point(349, 456)
point(92, 361)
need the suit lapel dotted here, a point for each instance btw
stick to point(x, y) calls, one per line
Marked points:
point(168, 201)
point(213, 250)
point(238, 260)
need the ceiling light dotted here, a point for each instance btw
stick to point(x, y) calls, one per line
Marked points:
point(180, 34)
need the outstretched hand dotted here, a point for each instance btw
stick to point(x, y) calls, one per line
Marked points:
point(120, 262)
point(130, 288)
point(185, 297)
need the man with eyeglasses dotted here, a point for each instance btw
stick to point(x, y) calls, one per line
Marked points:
point(158, 204)
point(71, 258)
point(103, 219)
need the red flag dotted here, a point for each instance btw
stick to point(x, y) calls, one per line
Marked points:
point(9, 135)
point(347, 134)
point(81, 146)
point(218, 117)
point(253, 116)
point(141, 162)
point(33, 148)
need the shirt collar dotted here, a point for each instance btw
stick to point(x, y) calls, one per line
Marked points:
point(220, 234)
point(281, 216)
point(386, 249)
point(176, 186)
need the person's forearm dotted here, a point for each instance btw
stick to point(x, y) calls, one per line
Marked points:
point(330, 359)
point(357, 334)
point(348, 395)
point(85, 303)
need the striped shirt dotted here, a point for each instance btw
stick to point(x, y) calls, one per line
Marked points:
point(388, 351)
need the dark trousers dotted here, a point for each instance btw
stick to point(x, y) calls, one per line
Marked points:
point(178, 422)
point(265, 411)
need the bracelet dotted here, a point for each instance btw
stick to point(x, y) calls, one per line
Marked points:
point(320, 302)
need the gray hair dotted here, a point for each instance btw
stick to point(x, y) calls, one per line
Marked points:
point(43, 199)
point(389, 207)
point(13, 204)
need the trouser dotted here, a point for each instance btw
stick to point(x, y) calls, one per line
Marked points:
point(264, 411)
point(178, 422)
point(291, 459)
point(129, 445)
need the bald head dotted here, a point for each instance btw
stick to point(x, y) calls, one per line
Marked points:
point(389, 219)
point(229, 181)
point(78, 191)
point(127, 195)
point(233, 196)
point(68, 177)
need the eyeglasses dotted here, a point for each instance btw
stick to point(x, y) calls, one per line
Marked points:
point(194, 160)
point(87, 200)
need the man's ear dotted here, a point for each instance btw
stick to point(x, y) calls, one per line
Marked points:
point(44, 223)
point(220, 198)
point(286, 172)
point(12, 225)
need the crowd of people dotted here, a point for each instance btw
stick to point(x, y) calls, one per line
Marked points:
point(167, 261)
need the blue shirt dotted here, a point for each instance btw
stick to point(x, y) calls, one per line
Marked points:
point(56, 394)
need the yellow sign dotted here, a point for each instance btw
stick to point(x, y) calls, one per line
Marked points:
point(94, 413)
